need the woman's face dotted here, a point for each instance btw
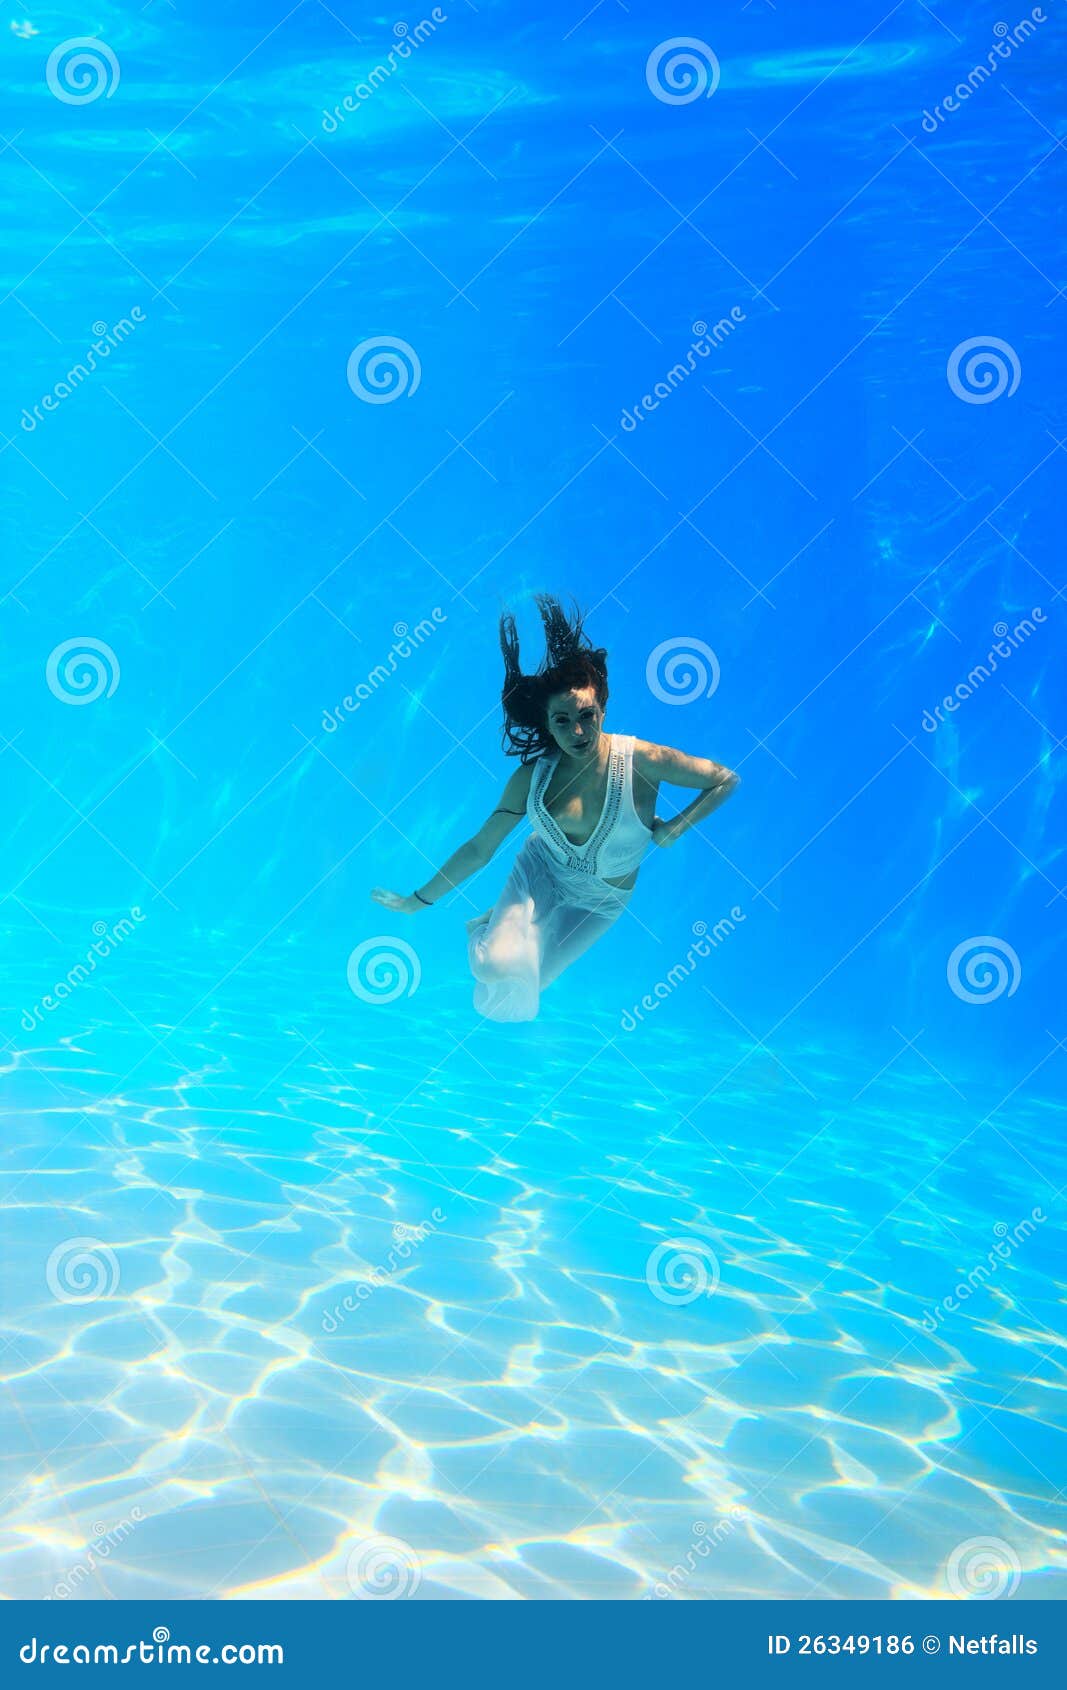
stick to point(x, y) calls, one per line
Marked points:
point(574, 721)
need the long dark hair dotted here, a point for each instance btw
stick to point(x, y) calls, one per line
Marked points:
point(570, 662)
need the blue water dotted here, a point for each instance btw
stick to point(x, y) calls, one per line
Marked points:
point(739, 1272)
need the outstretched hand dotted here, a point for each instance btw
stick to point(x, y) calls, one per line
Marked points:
point(405, 902)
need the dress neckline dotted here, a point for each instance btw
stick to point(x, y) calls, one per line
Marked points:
point(574, 846)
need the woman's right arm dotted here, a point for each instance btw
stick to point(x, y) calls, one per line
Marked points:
point(472, 855)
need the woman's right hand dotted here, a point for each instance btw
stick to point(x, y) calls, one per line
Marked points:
point(405, 903)
point(664, 832)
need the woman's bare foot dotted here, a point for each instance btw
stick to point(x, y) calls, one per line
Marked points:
point(476, 921)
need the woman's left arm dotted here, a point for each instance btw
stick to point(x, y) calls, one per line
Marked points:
point(658, 763)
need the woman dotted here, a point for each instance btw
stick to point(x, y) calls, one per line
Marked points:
point(590, 798)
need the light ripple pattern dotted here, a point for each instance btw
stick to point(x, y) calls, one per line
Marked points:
point(346, 1313)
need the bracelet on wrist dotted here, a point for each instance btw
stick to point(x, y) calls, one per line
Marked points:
point(427, 901)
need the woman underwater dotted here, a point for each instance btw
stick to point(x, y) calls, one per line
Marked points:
point(590, 798)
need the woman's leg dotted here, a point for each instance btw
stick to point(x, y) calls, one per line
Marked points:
point(505, 953)
point(531, 936)
point(569, 932)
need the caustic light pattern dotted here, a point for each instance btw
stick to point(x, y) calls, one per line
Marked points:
point(738, 1270)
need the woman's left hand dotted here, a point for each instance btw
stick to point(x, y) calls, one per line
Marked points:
point(664, 833)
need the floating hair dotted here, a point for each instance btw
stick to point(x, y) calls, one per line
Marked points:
point(571, 662)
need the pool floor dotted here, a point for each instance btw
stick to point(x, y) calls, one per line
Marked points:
point(376, 1304)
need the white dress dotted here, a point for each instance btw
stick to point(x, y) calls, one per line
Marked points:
point(556, 901)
